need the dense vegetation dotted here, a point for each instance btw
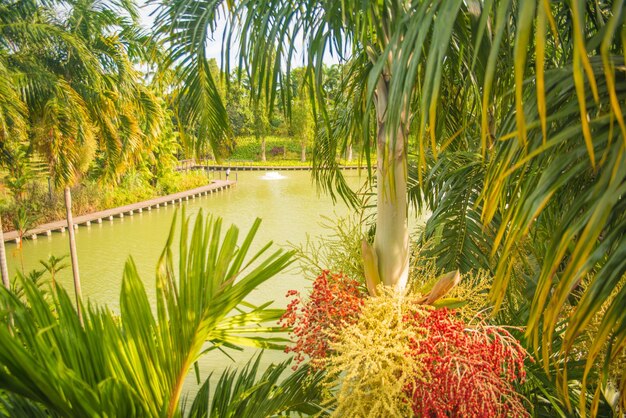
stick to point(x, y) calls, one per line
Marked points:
point(88, 101)
point(504, 119)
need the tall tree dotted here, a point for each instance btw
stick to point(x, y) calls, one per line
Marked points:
point(13, 122)
point(79, 86)
point(260, 124)
point(369, 28)
point(302, 125)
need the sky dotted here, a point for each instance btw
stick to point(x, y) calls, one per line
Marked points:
point(215, 44)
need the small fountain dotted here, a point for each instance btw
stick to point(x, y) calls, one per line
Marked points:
point(273, 175)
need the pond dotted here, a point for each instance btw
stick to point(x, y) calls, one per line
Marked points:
point(288, 204)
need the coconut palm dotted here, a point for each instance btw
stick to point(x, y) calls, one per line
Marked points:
point(527, 98)
point(135, 363)
point(80, 88)
point(12, 128)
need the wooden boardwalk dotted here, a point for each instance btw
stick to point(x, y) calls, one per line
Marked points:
point(259, 167)
point(120, 211)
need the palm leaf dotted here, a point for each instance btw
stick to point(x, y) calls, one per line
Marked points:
point(135, 364)
point(588, 237)
point(452, 187)
point(243, 393)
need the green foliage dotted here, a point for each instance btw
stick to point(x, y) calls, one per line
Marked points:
point(338, 250)
point(247, 149)
point(457, 238)
point(90, 195)
point(178, 181)
point(238, 109)
point(260, 121)
point(135, 364)
point(302, 123)
point(53, 265)
point(78, 84)
point(242, 393)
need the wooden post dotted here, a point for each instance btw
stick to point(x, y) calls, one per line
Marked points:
point(73, 255)
point(3, 260)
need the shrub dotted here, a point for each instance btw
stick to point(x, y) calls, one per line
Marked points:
point(177, 181)
point(334, 301)
point(277, 151)
point(337, 249)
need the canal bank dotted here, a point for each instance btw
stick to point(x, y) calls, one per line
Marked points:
point(121, 211)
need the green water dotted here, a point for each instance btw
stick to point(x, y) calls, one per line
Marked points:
point(290, 208)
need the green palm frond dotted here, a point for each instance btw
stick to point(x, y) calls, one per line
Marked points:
point(135, 364)
point(541, 388)
point(245, 393)
point(13, 111)
point(348, 123)
point(532, 90)
point(451, 189)
point(75, 73)
point(186, 27)
point(12, 405)
point(556, 176)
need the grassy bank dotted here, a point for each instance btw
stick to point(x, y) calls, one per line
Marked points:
point(280, 151)
point(38, 206)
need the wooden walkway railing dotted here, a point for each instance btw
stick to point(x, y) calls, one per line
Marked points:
point(120, 211)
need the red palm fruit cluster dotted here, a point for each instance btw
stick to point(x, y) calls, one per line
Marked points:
point(335, 301)
point(468, 371)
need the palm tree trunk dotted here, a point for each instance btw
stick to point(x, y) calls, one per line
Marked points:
point(3, 260)
point(349, 153)
point(73, 255)
point(391, 242)
point(263, 158)
point(303, 152)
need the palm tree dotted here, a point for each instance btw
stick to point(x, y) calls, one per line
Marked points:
point(12, 130)
point(81, 90)
point(53, 265)
point(266, 28)
point(524, 97)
